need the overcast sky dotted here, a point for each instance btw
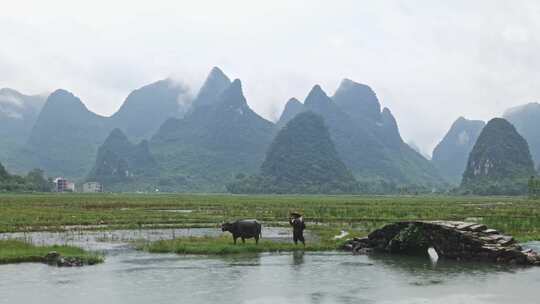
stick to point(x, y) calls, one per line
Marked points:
point(428, 61)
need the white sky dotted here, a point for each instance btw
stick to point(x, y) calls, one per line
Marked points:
point(429, 61)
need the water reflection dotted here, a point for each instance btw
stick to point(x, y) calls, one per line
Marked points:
point(298, 258)
point(298, 277)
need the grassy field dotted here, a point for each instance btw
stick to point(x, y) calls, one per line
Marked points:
point(16, 251)
point(517, 216)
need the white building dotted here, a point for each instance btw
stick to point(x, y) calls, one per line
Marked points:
point(92, 187)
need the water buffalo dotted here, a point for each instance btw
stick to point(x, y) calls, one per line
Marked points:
point(244, 229)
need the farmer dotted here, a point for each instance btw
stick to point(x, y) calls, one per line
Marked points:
point(297, 222)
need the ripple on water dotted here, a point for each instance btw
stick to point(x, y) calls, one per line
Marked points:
point(319, 277)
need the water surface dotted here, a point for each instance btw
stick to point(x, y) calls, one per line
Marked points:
point(129, 276)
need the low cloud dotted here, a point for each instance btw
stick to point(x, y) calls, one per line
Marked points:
point(428, 61)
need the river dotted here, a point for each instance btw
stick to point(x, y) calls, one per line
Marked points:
point(130, 276)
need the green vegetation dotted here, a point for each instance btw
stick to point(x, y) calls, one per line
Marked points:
point(18, 112)
point(224, 245)
point(34, 181)
point(534, 188)
point(301, 159)
point(210, 145)
point(368, 140)
point(121, 165)
point(517, 216)
point(16, 251)
point(500, 162)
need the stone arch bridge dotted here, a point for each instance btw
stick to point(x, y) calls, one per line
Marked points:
point(451, 240)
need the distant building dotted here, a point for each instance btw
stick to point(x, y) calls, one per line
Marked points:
point(63, 185)
point(92, 187)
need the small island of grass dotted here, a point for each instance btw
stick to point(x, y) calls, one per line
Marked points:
point(224, 245)
point(17, 251)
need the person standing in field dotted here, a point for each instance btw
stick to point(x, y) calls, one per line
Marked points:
point(297, 222)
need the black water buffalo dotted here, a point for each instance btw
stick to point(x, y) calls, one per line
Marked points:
point(244, 229)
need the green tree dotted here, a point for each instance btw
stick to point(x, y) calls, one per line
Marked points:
point(36, 181)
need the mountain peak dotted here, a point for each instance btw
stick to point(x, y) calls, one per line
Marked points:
point(293, 100)
point(386, 111)
point(292, 108)
point(317, 90)
point(117, 140)
point(64, 100)
point(500, 161)
point(214, 85)
point(531, 106)
point(118, 160)
point(62, 93)
point(526, 119)
point(451, 153)
point(301, 159)
point(147, 107)
point(357, 99)
point(317, 96)
point(236, 84)
point(9, 91)
point(233, 95)
point(217, 73)
point(116, 132)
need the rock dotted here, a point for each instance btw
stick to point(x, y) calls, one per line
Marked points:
point(506, 240)
point(52, 258)
point(465, 226)
point(452, 240)
point(478, 228)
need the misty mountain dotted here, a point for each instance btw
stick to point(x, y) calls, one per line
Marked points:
point(209, 94)
point(358, 100)
point(292, 108)
point(145, 109)
point(526, 119)
point(416, 148)
point(119, 161)
point(301, 159)
point(500, 161)
point(18, 113)
point(451, 154)
point(204, 147)
point(212, 143)
point(65, 137)
point(368, 139)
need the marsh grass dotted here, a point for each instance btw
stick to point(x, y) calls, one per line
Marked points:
point(18, 251)
point(516, 216)
point(224, 245)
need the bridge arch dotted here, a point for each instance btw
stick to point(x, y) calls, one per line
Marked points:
point(450, 239)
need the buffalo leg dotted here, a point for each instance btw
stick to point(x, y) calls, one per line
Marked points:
point(243, 240)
